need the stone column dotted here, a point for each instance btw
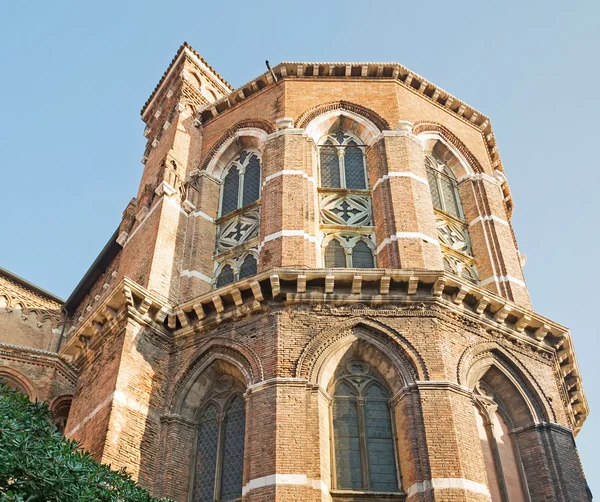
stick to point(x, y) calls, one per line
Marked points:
point(402, 193)
point(282, 458)
point(498, 262)
point(457, 469)
point(288, 234)
point(197, 267)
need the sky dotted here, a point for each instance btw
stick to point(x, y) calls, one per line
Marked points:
point(76, 74)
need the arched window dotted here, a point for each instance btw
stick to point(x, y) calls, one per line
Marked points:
point(443, 187)
point(236, 269)
point(364, 456)
point(241, 183)
point(342, 162)
point(452, 229)
point(345, 202)
point(220, 445)
point(239, 221)
point(248, 267)
point(225, 276)
point(349, 251)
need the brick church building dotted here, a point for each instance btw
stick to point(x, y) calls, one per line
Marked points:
point(315, 295)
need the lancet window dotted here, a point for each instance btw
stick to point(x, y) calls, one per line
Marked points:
point(364, 453)
point(346, 214)
point(452, 228)
point(239, 219)
point(220, 444)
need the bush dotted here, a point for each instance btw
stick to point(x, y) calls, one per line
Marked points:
point(38, 464)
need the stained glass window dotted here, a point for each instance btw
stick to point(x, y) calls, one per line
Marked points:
point(330, 168)
point(233, 451)
point(335, 257)
point(251, 181)
point(219, 462)
point(443, 187)
point(229, 198)
point(248, 267)
point(364, 453)
point(241, 185)
point(362, 255)
point(225, 276)
point(342, 163)
point(237, 232)
point(354, 167)
point(206, 458)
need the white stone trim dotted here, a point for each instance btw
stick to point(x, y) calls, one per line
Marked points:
point(143, 221)
point(290, 172)
point(479, 177)
point(407, 235)
point(287, 233)
point(489, 218)
point(91, 415)
point(400, 174)
point(502, 278)
point(284, 479)
point(203, 215)
point(197, 275)
point(448, 483)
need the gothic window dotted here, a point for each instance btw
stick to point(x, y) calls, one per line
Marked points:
point(237, 268)
point(248, 267)
point(220, 445)
point(443, 187)
point(239, 221)
point(342, 162)
point(225, 276)
point(452, 228)
point(241, 183)
point(345, 202)
point(349, 251)
point(364, 456)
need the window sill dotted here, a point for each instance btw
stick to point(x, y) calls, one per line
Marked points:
point(360, 496)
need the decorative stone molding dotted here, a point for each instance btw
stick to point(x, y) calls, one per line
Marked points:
point(346, 286)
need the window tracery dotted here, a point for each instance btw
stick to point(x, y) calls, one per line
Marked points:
point(452, 229)
point(364, 456)
point(239, 222)
point(349, 251)
point(220, 444)
point(346, 214)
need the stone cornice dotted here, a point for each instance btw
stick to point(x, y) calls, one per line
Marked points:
point(127, 299)
point(39, 357)
point(378, 287)
point(400, 289)
point(387, 71)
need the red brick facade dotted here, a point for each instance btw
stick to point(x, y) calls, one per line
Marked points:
point(483, 394)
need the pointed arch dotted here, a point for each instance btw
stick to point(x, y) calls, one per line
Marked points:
point(19, 381)
point(359, 120)
point(218, 356)
point(431, 131)
point(323, 353)
point(306, 117)
point(250, 133)
point(479, 359)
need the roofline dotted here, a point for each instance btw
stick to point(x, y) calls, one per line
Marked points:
point(185, 48)
point(108, 253)
point(31, 286)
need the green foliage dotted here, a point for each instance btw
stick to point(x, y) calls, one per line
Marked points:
point(38, 464)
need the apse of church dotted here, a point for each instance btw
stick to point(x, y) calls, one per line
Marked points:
point(316, 295)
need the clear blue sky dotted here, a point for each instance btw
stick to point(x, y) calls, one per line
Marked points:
point(75, 75)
